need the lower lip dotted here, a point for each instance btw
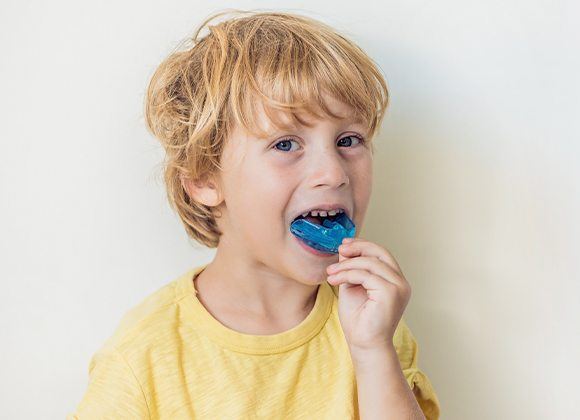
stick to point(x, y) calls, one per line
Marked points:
point(312, 250)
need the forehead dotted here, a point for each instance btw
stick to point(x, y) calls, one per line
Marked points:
point(270, 121)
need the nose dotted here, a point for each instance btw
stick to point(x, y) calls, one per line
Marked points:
point(328, 169)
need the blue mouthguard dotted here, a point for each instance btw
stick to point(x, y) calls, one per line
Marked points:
point(326, 237)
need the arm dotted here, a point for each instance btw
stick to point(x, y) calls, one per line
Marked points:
point(383, 391)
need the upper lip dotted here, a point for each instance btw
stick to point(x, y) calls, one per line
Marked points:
point(325, 206)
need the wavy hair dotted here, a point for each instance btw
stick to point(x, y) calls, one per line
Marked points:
point(211, 81)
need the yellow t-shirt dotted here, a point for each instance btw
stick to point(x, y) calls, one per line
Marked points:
point(171, 359)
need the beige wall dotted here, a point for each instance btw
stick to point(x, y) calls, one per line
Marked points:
point(476, 190)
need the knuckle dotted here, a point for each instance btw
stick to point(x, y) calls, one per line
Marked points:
point(406, 290)
point(391, 287)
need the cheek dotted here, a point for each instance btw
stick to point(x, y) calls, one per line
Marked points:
point(363, 174)
point(273, 180)
point(264, 193)
point(255, 194)
point(362, 188)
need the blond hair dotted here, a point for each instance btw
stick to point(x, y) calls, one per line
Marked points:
point(283, 59)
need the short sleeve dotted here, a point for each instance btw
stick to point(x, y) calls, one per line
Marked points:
point(113, 391)
point(407, 351)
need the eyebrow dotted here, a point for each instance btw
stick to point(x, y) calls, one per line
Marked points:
point(355, 120)
point(272, 130)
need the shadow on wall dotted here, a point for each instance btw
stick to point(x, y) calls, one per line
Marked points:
point(434, 206)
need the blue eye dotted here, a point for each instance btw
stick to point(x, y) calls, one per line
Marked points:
point(286, 142)
point(352, 136)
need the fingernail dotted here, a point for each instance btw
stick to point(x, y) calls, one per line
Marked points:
point(347, 240)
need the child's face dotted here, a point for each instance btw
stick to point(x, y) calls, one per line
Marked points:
point(266, 183)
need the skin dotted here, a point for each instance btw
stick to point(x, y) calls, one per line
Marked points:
point(258, 260)
point(262, 185)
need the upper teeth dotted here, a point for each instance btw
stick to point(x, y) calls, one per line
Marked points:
point(323, 213)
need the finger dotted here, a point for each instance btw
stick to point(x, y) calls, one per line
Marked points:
point(374, 286)
point(367, 280)
point(361, 247)
point(372, 265)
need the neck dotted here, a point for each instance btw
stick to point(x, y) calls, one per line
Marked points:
point(239, 284)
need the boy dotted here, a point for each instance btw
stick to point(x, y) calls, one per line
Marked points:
point(266, 119)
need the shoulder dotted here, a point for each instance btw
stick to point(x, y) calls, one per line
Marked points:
point(156, 311)
point(120, 371)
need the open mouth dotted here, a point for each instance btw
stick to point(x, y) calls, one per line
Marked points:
point(318, 220)
point(323, 233)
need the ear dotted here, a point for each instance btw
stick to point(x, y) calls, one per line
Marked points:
point(204, 191)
